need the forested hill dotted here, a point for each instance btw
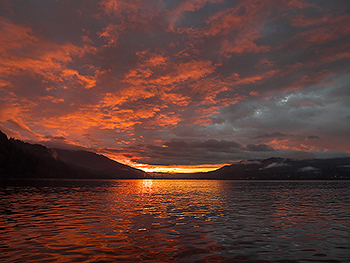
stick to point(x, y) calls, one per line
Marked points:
point(23, 160)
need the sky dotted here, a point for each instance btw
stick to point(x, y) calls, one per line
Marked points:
point(179, 86)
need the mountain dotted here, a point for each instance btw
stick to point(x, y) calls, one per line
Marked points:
point(97, 163)
point(282, 169)
point(23, 160)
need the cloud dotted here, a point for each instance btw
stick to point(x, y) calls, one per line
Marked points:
point(311, 137)
point(240, 46)
point(259, 148)
point(271, 135)
point(178, 82)
point(53, 137)
point(196, 152)
point(18, 125)
point(14, 36)
point(272, 165)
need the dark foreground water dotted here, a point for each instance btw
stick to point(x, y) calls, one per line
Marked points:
point(175, 221)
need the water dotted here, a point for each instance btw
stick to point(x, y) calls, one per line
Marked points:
point(174, 221)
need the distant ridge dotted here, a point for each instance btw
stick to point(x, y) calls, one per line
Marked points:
point(24, 160)
point(285, 169)
point(276, 169)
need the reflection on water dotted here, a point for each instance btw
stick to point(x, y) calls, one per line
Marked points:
point(174, 221)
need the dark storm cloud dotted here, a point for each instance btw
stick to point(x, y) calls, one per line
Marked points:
point(259, 148)
point(271, 135)
point(311, 137)
point(208, 145)
point(196, 152)
point(174, 82)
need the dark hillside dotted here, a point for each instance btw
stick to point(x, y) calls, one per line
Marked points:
point(23, 160)
point(98, 163)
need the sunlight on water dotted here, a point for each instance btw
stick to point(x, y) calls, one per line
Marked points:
point(174, 221)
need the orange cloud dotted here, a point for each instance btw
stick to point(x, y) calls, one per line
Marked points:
point(135, 15)
point(51, 64)
point(176, 99)
point(292, 145)
point(111, 33)
point(258, 77)
point(48, 60)
point(184, 7)
point(192, 70)
point(241, 46)
point(223, 22)
point(325, 29)
point(301, 4)
point(51, 98)
point(112, 7)
point(14, 36)
point(16, 111)
point(19, 125)
point(111, 114)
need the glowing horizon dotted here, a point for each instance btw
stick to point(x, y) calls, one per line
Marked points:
point(166, 168)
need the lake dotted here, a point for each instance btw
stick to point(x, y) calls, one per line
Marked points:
point(174, 221)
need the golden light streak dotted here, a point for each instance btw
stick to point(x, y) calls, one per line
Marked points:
point(179, 168)
point(163, 168)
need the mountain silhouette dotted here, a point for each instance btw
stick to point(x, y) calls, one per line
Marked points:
point(24, 160)
point(97, 163)
point(283, 169)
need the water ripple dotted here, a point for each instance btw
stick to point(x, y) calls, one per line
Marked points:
point(174, 221)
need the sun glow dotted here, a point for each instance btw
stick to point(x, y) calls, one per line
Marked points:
point(164, 168)
point(178, 168)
